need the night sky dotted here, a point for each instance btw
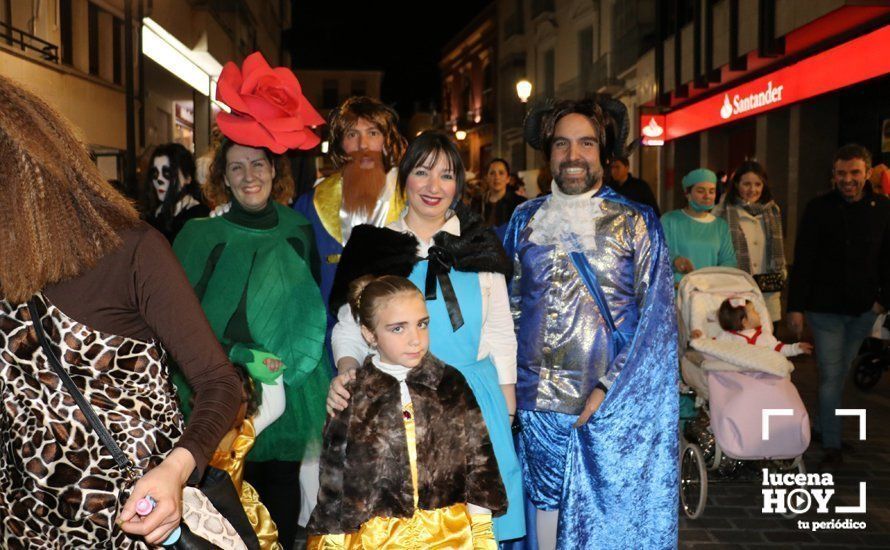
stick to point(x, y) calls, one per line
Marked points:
point(402, 38)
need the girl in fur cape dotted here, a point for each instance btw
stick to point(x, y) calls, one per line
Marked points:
point(408, 463)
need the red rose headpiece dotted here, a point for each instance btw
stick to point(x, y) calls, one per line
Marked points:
point(268, 107)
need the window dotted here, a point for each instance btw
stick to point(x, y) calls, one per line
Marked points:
point(585, 56)
point(520, 17)
point(330, 93)
point(447, 108)
point(511, 71)
point(513, 23)
point(66, 28)
point(93, 30)
point(517, 155)
point(106, 44)
point(6, 16)
point(676, 14)
point(541, 6)
point(488, 99)
point(467, 96)
point(117, 50)
point(359, 87)
point(549, 77)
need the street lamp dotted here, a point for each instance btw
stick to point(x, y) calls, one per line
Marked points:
point(524, 90)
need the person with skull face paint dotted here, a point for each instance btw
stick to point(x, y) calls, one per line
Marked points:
point(255, 271)
point(171, 195)
point(592, 299)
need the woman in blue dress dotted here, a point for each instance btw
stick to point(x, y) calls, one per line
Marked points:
point(460, 266)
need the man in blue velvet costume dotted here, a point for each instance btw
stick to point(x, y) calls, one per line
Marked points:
point(593, 301)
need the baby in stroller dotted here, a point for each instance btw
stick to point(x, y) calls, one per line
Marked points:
point(740, 322)
point(739, 373)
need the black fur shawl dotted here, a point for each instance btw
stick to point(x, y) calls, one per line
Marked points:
point(365, 471)
point(380, 251)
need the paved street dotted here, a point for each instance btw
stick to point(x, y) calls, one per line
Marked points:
point(733, 518)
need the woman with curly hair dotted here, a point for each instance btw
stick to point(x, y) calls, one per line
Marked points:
point(107, 294)
point(255, 271)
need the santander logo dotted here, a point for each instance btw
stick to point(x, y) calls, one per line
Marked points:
point(652, 130)
point(726, 110)
point(752, 101)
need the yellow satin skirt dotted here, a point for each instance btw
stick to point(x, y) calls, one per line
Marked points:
point(232, 461)
point(442, 528)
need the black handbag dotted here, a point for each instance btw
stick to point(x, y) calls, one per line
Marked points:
point(216, 485)
point(770, 282)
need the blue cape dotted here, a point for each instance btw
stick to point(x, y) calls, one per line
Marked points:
point(622, 467)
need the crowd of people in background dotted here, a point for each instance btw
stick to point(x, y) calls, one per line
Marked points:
point(275, 305)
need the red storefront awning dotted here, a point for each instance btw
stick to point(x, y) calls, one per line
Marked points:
point(858, 60)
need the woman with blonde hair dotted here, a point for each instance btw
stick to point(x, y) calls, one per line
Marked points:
point(91, 293)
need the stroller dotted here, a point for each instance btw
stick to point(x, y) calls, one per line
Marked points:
point(727, 385)
point(874, 355)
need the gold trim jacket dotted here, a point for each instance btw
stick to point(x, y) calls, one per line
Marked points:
point(365, 471)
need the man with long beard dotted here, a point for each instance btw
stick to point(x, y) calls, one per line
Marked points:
point(592, 298)
point(366, 148)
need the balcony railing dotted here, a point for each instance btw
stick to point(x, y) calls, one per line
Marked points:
point(600, 74)
point(29, 43)
point(626, 51)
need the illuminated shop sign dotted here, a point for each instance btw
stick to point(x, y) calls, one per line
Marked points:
point(750, 102)
point(652, 129)
point(855, 61)
point(196, 68)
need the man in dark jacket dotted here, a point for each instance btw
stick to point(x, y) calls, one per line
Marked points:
point(631, 187)
point(840, 280)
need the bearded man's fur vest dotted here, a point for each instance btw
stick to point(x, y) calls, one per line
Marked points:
point(365, 471)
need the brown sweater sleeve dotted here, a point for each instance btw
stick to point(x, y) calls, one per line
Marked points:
point(166, 302)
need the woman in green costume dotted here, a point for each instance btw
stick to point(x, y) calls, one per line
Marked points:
point(255, 271)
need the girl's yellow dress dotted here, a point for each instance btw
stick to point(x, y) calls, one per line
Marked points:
point(452, 527)
point(232, 461)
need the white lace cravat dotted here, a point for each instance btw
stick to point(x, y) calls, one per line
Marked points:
point(567, 221)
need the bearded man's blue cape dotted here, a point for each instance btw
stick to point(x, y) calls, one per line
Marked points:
point(622, 467)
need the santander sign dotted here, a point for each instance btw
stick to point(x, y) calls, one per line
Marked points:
point(751, 101)
point(857, 60)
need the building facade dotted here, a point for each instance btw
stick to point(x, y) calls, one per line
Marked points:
point(327, 89)
point(716, 81)
point(74, 54)
point(469, 89)
point(567, 49)
point(782, 82)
